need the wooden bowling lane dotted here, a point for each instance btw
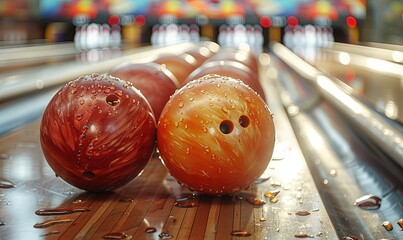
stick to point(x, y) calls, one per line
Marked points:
point(155, 206)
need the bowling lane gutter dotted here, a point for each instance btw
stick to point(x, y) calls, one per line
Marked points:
point(21, 111)
point(385, 135)
point(395, 56)
point(385, 67)
point(344, 162)
point(30, 80)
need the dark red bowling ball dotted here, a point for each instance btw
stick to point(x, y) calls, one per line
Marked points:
point(180, 65)
point(230, 69)
point(154, 81)
point(216, 135)
point(98, 132)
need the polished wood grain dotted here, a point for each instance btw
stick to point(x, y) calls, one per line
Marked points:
point(149, 200)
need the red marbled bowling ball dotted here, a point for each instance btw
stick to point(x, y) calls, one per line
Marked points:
point(154, 81)
point(180, 65)
point(216, 135)
point(230, 69)
point(98, 132)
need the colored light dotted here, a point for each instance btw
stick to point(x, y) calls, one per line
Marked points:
point(351, 22)
point(292, 21)
point(265, 21)
point(113, 20)
point(140, 20)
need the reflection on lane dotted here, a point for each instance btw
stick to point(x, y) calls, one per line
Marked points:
point(383, 93)
point(344, 162)
point(378, 82)
point(28, 80)
point(12, 62)
point(386, 134)
point(392, 53)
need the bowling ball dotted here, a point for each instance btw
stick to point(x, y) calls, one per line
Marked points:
point(154, 81)
point(216, 135)
point(201, 54)
point(230, 69)
point(180, 65)
point(98, 132)
point(241, 55)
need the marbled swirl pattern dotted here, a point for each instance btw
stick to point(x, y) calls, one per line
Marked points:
point(98, 132)
point(216, 135)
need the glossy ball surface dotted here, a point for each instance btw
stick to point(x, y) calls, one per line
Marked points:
point(216, 135)
point(201, 54)
point(180, 65)
point(240, 55)
point(98, 133)
point(155, 82)
point(231, 69)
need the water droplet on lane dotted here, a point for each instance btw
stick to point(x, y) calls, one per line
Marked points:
point(115, 235)
point(303, 235)
point(400, 223)
point(186, 203)
point(387, 225)
point(164, 232)
point(262, 179)
point(302, 213)
point(165, 235)
point(255, 201)
point(240, 233)
point(6, 184)
point(348, 237)
point(319, 234)
point(60, 210)
point(273, 200)
point(52, 222)
point(150, 230)
point(369, 202)
point(271, 194)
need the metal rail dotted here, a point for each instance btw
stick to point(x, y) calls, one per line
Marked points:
point(351, 150)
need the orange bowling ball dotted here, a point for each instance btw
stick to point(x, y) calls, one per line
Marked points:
point(216, 135)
